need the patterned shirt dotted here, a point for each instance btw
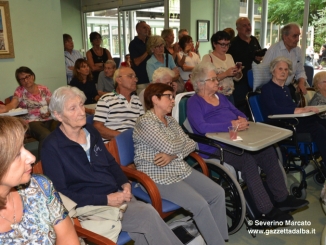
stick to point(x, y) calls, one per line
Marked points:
point(319, 99)
point(33, 103)
point(42, 210)
point(151, 137)
point(116, 112)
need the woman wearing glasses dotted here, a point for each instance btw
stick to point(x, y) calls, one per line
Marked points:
point(35, 98)
point(160, 147)
point(97, 56)
point(209, 111)
point(191, 58)
point(83, 80)
point(226, 69)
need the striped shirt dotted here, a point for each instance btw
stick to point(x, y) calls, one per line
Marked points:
point(116, 112)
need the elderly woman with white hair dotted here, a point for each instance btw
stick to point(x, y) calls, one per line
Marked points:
point(319, 84)
point(161, 75)
point(76, 160)
point(210, 111)
point(276, 99)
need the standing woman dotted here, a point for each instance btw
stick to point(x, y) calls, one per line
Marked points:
point(83, 80)
point(31, 211)
point(160, 147)
point(170, 48)
point(191, 58)
point(227, 70)
point(97, 56)
point(35, 98)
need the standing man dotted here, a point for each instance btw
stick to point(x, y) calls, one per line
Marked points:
point(243, 49)
point(139, 55)
point(288, 48)
point(118, 110)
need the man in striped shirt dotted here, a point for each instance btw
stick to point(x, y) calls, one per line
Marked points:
point(118, 110)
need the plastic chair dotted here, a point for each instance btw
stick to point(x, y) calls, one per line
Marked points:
point(89, 236)
point(122, 149)
point(250, 76)
point(299, 147)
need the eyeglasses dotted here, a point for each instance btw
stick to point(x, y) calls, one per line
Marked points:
point(170, 96)
point(223, 45)
point(24, 78)
point(213, 79)
point(131, 76)
point(159, 46)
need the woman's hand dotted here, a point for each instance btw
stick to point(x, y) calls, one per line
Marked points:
point(45, 115)
point(241, 123)
point(176, 72)
point(306, 109)
point(231, 72)
point(162, 159)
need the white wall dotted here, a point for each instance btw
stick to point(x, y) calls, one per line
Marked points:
point(37, 35)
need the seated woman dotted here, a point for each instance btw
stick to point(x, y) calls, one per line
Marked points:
point(319, 84)
point(35, 98)
point(160, 147)
point(83, 80)
point(191, 58)
point(276, 99)
point(97, 56)
point(226, 69)
point(209, 111)
point(76, 160)
point(31, 211)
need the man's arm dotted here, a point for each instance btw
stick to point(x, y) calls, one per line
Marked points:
point(140, 59)
point(105, 132)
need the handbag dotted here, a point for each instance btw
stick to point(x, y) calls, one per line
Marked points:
point(186, 231)
point(180, 83)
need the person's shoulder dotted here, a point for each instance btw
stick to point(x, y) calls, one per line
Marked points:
point(267, 86)
point(74, 81)
point(108, 97)
point(52, 139)
point(41, 180)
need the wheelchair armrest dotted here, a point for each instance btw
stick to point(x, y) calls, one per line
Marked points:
point(93, 237)
point(201, 162)
point(148, 184)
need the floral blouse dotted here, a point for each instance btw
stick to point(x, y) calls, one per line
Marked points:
point(43, 209)
point(33, 103)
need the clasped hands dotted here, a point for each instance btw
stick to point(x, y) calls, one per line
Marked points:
point(241, 123)
point(116, 199)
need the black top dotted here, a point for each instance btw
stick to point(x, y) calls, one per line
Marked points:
point(244, 52)
point(88, 88)
point(98, 59)
point(136, 49)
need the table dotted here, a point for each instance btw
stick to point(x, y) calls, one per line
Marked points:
point(15, 112)
point(257, 137)
point(321, 108)
point(90, 106)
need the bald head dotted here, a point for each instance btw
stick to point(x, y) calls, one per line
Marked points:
point(243, 27)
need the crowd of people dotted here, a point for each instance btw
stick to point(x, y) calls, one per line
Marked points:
point(140, 94)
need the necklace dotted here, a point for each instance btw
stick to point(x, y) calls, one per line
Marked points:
point(13, 225)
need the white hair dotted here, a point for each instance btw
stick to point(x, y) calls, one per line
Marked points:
point(160, 72)
point(199, 73)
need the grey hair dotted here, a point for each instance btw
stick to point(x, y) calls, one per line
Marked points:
point(199, 74)
point(60, 97)
point(278, 59)
point(160, 72)
point(319, 77)
point(117, 74)
point(111, 62)
point(285, 31)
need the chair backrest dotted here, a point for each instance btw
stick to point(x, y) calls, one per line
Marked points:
point(305, 98)
point(37, 168)
point(117, 61)
point(125, 147)
point(253, 100)
point(181, 110)
point(89, 119)
point(309, 73)
point(250, 76)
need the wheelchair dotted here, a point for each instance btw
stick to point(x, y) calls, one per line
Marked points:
point(239, 208)
point(299, 148)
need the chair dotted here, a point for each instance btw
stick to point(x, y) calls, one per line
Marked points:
point(122, 149)
point(250, 76)
point(299, 147)
point(309, 73)
point(220, 172)
point(306, 98)
point(81, 232)
point(117, 61)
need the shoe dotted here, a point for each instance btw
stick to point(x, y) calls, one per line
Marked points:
point(291, 203)
point(277, 215)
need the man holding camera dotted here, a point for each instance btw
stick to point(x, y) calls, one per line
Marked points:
point(244, 48)
point(288, 48)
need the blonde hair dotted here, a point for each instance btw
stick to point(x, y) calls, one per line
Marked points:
point(153, 42)
point(12, 131)
point(317, 79)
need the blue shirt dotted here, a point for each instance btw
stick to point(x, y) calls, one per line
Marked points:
point(153, 64)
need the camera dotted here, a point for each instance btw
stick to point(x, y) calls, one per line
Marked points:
point(260, 52)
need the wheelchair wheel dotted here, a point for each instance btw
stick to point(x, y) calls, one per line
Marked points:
point(319, 178)
point(297, 192)
point(234, 198)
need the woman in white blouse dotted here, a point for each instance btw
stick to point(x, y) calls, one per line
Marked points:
point(160, 147)
point(227, 70)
